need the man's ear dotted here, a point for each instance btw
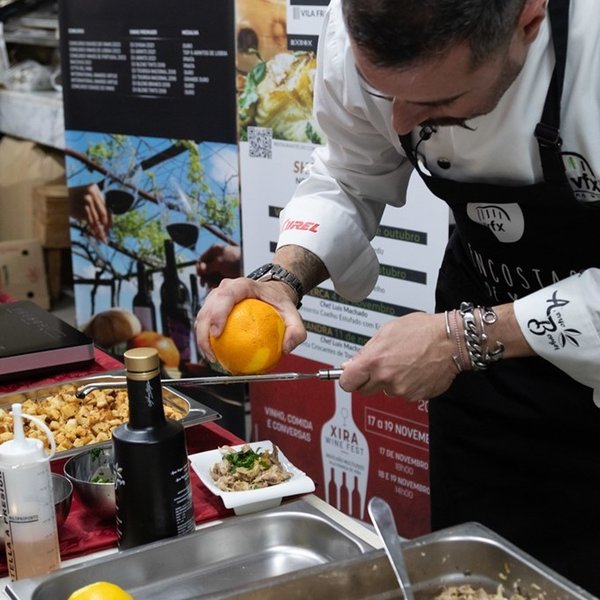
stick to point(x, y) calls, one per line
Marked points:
point(531, 18)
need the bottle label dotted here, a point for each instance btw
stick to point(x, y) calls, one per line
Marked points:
point(145, 315)
point(145, 403)
point(10, 555)
point(184, 506)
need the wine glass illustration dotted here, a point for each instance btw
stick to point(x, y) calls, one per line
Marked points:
point(120, 189)
point(183, 233)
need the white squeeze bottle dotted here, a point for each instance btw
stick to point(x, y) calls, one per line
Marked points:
point(27, 502)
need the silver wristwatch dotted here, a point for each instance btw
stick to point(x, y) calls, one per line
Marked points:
point(278, 273)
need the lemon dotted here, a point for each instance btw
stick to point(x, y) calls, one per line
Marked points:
point(100, 590)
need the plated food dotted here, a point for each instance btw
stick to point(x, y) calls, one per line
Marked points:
point(278, 94)
point(255, 498)
point(248, 469)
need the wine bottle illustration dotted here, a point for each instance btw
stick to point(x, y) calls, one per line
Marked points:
point(344, 496)
point(175, 308)
point(195, 307)
point(332, 495)
point(143, 306)
point(356, 500)
point(195, 294)
point(345, 454)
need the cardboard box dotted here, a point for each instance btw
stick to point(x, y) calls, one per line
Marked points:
point(22, 271)
point(24, 166)
point(51, 215)
point(58, 271)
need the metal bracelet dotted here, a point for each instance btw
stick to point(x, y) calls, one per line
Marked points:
point(457, 359)
point(489, 317)
point(476, 338)
point(473, 340)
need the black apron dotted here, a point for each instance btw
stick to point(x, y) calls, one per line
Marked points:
point(517, 447)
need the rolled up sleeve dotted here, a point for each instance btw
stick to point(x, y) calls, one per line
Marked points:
point(336, 210)
point(562, 325)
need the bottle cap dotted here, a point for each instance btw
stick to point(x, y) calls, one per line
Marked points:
point(20, 450)
point(141, 360)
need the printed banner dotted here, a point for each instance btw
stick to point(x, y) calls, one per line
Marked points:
point(150, 114)
point(354, 447)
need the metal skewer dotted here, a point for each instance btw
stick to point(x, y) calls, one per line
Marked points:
point(84, 390)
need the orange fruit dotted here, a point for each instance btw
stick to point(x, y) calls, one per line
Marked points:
point(252, 339)
point(167, 350)
point(100, 590)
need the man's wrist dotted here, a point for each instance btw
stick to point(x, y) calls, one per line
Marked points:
point(275, 272)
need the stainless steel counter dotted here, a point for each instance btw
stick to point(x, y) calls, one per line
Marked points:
point(220, 556)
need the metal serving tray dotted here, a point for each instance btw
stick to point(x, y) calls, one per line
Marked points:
point(193, 411)
point(227, 556)
point(469, 554)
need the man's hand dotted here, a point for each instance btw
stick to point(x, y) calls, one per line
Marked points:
point(409, 357)
point(218, 304)
point(87, 204)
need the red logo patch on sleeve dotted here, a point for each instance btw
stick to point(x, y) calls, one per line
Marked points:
point(301, 225)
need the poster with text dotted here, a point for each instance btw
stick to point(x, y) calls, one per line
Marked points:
point(151, 143)
point(353, 447)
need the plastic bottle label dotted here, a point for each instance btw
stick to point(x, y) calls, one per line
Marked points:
point(29, 526)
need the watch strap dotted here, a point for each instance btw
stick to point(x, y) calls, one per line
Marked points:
point(271, 271)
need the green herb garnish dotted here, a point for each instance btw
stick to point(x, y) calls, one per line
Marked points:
point(95, 453)
point(101, 479)
point(243, 459)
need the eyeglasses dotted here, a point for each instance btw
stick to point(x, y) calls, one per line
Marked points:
point(369, 89)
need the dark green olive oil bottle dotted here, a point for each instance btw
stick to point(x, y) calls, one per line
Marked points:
point(152, 484)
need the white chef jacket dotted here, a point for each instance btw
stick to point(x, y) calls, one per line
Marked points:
point(362, 168)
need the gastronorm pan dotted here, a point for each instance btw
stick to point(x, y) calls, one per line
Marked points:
point(468, 554)
point(226, 556)
point(192, 411)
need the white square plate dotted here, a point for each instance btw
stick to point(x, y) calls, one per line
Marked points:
point(252, 500)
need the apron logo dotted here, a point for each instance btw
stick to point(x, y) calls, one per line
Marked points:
point(505, 221)
point(584, 183)
point(550, 326)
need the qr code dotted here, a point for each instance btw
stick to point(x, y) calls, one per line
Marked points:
point(261, 142)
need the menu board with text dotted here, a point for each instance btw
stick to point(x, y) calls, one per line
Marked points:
point(149, 68)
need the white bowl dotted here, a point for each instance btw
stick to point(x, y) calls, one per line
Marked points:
point(249, 501)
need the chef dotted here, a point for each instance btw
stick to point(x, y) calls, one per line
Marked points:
point(497, 107)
